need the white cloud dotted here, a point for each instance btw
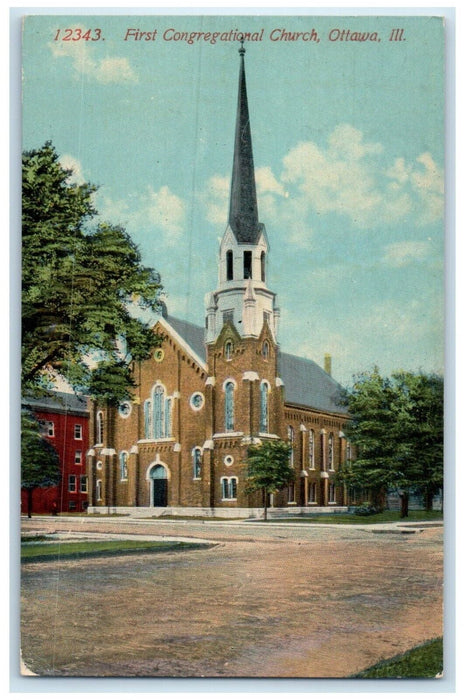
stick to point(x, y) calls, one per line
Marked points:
point(348, 177)
point(103, 70)
point(161, 210)
point(216, 199)
point(69, 162)
point(405, 252)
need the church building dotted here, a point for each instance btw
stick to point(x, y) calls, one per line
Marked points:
point(207, 393)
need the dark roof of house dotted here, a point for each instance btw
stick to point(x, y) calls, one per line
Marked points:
point(60, 402)
point(305, 382)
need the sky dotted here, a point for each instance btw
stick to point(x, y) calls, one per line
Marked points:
point(348, 141)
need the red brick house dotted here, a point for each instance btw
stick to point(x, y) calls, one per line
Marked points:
point(207, 393)
point(64, 419)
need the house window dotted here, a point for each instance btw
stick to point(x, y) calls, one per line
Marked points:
point(99, 428)
point(99, 465)
point(123, 465)
point(229, 406)
point(47, 428)
point(72, 505)
point(98, 490)
point(72, 483)
point(228, 349)
point(311, 449)
point(229, 265)
point(262, 266)
point(78, 457)
point(83, 483)
point(264, 391)
point(229, 488)
point(266, 350)
point(78, 432)
point(196, 462)
point(331, 451)
point(247, 264)
point(290, 437)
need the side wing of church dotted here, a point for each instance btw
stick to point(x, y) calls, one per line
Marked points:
point(207, 393)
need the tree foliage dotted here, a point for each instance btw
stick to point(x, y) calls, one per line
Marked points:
point(81, 283)
point(396, 427)
point(40, 464)
point(268, 468)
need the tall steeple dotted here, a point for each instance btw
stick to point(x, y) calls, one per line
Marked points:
point(243, 211)
point(242, 296)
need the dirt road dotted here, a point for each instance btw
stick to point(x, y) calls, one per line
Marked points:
point(265, 601)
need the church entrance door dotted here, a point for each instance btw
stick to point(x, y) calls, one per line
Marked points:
point(159, 486)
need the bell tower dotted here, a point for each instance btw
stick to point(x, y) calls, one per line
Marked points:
point(242, 297)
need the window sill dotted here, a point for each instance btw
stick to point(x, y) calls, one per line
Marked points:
point(197, 478)
point(292, 503)
point(228, 500)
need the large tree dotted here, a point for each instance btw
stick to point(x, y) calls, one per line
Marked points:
point(40, 465)
point(396, 427)
point(83, 286)
point(268, 468)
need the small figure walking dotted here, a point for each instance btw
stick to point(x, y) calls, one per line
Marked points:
point(54, 508)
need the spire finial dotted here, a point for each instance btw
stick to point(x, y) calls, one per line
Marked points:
point(241, 50)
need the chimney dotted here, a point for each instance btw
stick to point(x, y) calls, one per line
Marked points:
point(328, 364)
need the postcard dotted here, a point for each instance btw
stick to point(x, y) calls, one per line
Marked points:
point(232, 346)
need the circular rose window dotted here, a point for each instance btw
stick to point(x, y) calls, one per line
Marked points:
point(196, 401)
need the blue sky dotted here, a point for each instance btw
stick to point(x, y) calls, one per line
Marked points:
point(348, 146)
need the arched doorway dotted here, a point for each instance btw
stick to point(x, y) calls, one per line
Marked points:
point(158, 486)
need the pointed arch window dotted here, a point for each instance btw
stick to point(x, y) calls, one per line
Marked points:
point(290, 437)
point(331, 451)
point(228, 349)
point(229, 265)
point(99, 430)
point(264, 412)
point(168, 407)
point(123, 465)
point(247, 264)
point(148, 419)
point(229, 406)
point(262, 266)
point(266, 350)
point(197, 462)
point(311, 449)
point(158, 411)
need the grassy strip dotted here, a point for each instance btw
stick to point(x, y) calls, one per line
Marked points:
point(424, 661)
point(388, 516)
point(71, 550)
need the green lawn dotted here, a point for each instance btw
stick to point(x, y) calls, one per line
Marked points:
point(43, 551)
point(424, 661)
point(388, 516)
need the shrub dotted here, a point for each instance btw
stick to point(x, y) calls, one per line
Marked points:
point(367, 509)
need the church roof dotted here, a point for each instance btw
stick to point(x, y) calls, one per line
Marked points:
point(243, 211)
point(192, 334)
point(305, 382)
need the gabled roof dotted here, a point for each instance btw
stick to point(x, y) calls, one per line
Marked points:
point(305, 382)
point(60, 402)
point(193, 335)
